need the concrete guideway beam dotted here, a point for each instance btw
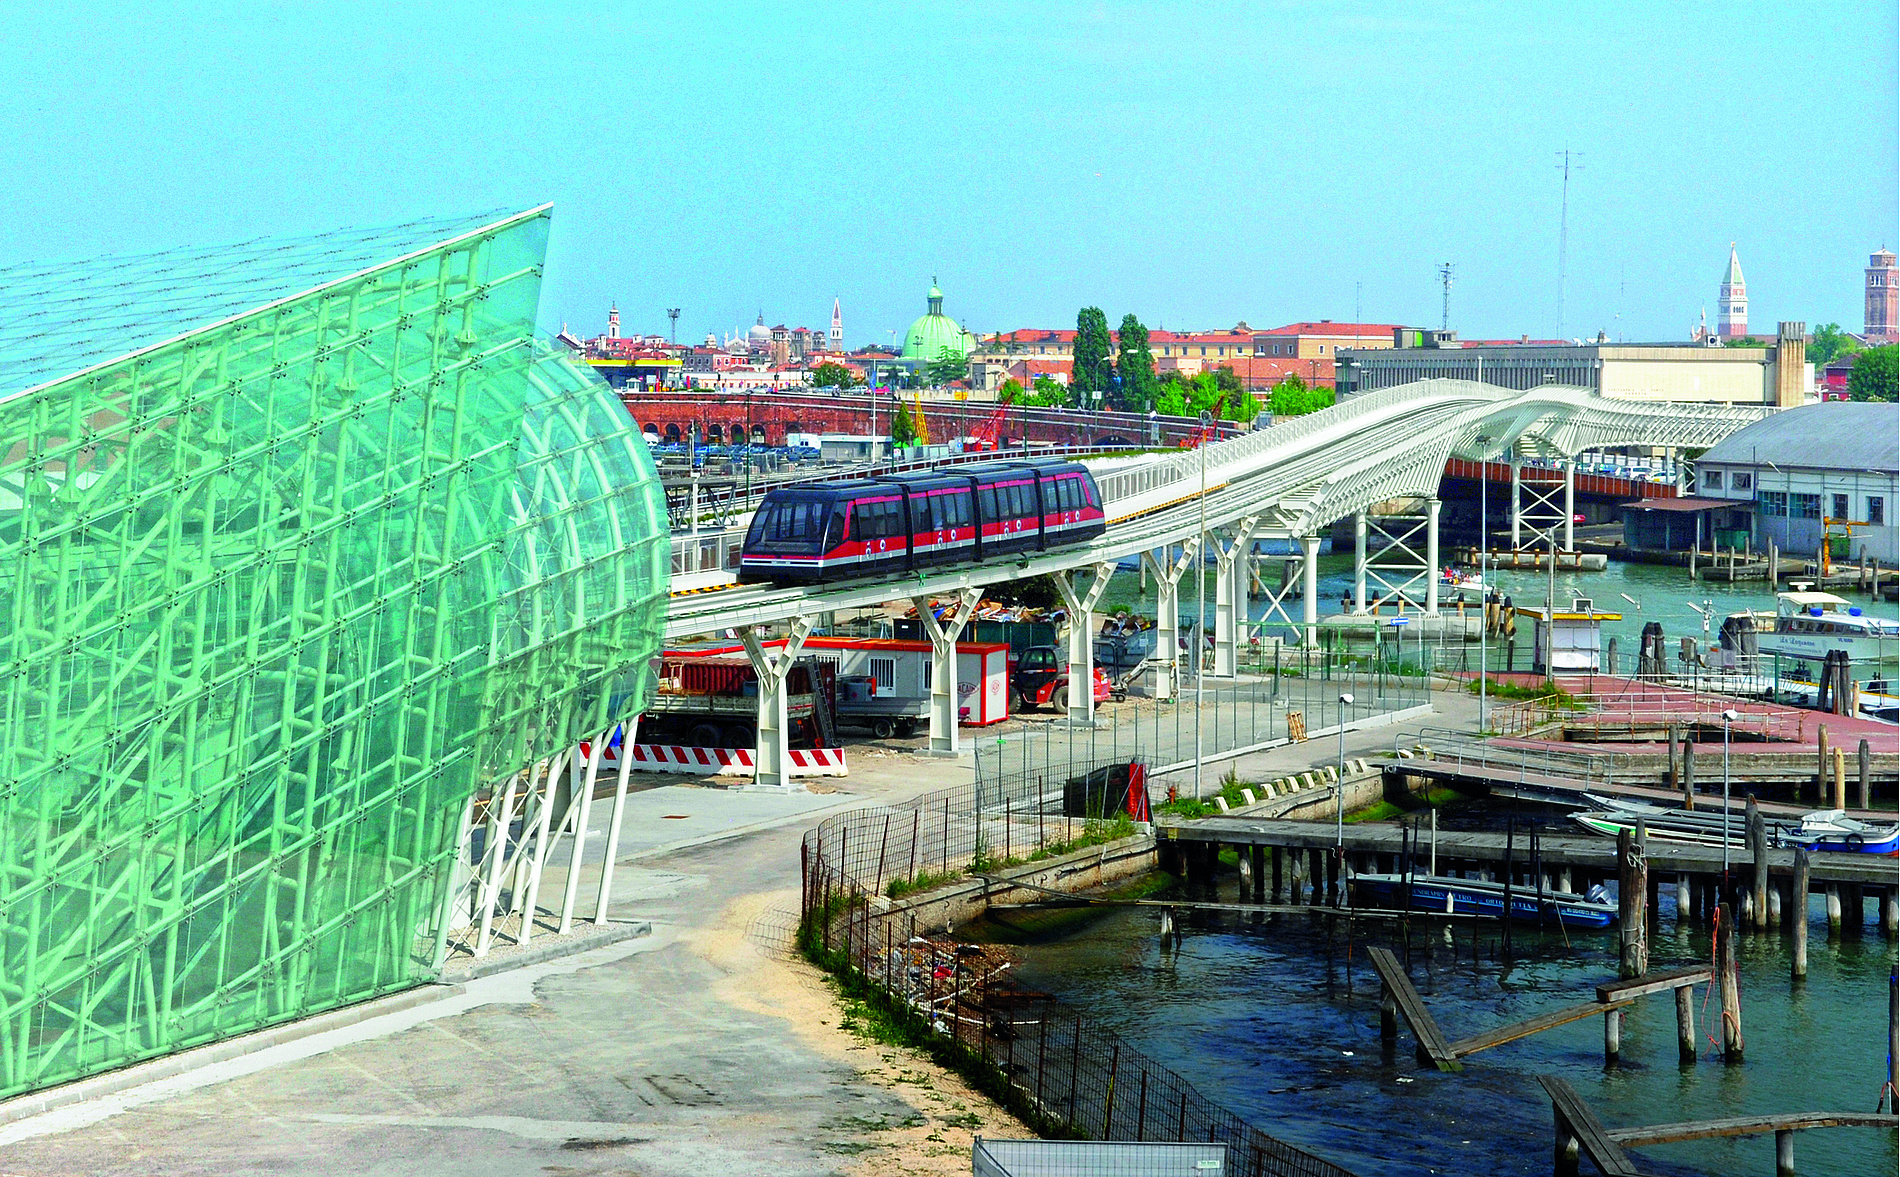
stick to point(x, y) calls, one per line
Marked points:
point(1230, 594)
point(944, 632)
point(773, 667)
point(1082, 640)
point(1167, 573)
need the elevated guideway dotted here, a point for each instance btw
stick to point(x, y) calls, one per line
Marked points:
point(1287, 481)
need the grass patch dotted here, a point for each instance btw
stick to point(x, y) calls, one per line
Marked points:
point(1230, 786)
point(1096, 831)
point(1548, 691)
point(923, 880)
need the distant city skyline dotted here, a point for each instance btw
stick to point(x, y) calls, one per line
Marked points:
point(1192, 164)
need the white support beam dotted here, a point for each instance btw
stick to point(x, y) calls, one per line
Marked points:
point(1517, 501)
point(1082, 641)
point(944, 633)
point(1309, 586)
point(1168, 571)
point(583, 808)
point(495, 854)
point(1359, 562)
point(538, 851)
point(1230, 595)
point(772, 667)
point(1432, 506)
point(1570, 504)
point(1393, 559)
point(606, 893)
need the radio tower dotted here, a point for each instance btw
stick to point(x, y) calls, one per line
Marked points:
point(1444, 314)
point(672, 324)
point(1563, 230)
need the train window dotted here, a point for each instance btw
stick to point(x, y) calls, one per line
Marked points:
point(791, 523)
point(961, 502)
point(1071, 493)
point(1088, 492)
point(893, 518)
point(1022, 499)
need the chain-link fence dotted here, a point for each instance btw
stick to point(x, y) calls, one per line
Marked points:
point(1040, 1058)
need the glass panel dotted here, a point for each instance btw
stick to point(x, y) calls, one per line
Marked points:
point(280, 595)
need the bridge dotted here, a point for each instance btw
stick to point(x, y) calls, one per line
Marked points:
point(1285, 482)
point(764, 418)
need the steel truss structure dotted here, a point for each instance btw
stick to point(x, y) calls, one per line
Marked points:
point(303, 545)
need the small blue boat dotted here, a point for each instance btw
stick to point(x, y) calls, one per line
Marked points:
point(1832, 829)
point(1446, 894)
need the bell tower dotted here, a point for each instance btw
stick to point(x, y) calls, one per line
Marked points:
point(1731, 303)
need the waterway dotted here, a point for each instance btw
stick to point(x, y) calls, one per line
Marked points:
point(1639, 592)
point(1278, 1020)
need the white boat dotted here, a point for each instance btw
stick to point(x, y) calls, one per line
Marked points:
point(1810, 625)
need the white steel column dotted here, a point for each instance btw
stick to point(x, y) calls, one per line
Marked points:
point(1082, 641)
point(613, 829)
point(1309, 586)
point(1431, 555)
point(774, 714)
point(943, 666)
point(1359, 562)
point(1517, 506)
point(1570, 504)
point(582, 809)
point(1230, 595)
point(495, 854)
point(540, 852)
point(1167, 573)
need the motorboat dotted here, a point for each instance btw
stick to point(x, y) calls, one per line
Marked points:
point(1450, 895)
point(1822, 829)
point(1810, 625)
point(1832, 829)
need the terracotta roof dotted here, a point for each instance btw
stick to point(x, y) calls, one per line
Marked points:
point(1323, 327)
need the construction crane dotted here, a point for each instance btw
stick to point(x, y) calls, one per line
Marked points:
point(986, 435)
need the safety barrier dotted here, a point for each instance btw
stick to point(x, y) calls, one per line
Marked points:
point(674, 758)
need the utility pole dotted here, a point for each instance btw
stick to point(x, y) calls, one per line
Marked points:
point(1444, 315)
point(1567, 157)
point(673, 324)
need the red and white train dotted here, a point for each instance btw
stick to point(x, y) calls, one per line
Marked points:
point(904, 522)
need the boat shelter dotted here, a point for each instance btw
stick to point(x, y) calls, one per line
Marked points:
point(1684, 524)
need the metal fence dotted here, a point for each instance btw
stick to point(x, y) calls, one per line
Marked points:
point(1064, 1076)
point(1283, 694)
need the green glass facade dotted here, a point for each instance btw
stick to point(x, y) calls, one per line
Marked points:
point(302, 544)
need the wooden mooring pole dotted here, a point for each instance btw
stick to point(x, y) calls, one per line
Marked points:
point(1688, 771)
point(1840, 778)
point(1820, 766)
point(1865, 790)
point(1632, 894)
point(1758, 854)
point(1728, 983)
point(1798, 916)
point(1686, 1051)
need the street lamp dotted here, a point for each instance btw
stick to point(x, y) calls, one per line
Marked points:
point(1484, 580)
point(1728, 717)
point(1200, 601)
point(1339, 790)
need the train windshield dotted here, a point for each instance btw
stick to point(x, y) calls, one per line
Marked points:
point(790, 525)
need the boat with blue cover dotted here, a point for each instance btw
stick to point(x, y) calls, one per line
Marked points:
point(1452, 895)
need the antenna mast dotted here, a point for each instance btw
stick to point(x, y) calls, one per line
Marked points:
point(1444, 276)
point(672, 324)
point(1563, 231)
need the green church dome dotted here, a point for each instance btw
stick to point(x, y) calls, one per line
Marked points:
point(933, 331)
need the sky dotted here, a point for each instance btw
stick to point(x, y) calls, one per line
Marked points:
point(1195, 164)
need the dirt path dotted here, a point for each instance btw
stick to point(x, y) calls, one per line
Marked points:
point(746, 942)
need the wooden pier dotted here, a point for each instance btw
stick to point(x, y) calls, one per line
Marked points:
point(1578, 1131)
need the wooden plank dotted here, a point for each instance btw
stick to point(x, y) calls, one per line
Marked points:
point(1431, 1040)
point(1595, 1140)
point(1748, 1126)
point(1653, 982)
point(1538, 1024)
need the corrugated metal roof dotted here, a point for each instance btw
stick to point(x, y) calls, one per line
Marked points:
point(1832, 435)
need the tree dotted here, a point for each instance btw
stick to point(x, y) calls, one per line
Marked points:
point(1830, 344)
point(949, 365)
point(903, 427)
point(834, 375)
point(1092, 372)
point(1134, 368)
point(1875, 376)
point(1171, 399)
point(1010, 392)
point(1047, 392)
point(1292, 398)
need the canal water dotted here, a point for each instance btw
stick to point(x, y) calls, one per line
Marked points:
point(1656, 593)
point(1278, 1020)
